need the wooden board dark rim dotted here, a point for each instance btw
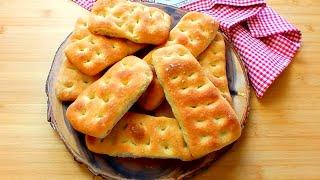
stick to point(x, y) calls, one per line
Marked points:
point(53, 122)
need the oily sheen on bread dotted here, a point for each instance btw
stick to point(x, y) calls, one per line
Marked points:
point(207, 120)
point(213, 62)
point(96, 111)
point(129, 20)
point(92, 53)
point(140, 135)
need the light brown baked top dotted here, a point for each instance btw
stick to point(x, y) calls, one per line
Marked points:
point(103, 103)
point(207, 120)
point(213, 62)
point(71, 82)
point(140, 135)
point(92, 53)
point(195, 31)
point(130, 20)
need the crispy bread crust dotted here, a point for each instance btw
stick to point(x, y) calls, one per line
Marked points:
point(71, 82)
point(140, 135)
point(207, 120)
point(98, 108)
point(213, 62)
point(92, 53)
point(195, 31)
point(130, 20)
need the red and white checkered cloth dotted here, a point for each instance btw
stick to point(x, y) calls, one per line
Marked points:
point(265, 41)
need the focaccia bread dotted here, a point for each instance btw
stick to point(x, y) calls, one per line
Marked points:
point(164, 110)
point(195, 31)
point(213, 62)
point(92, 53)
point(103, 103)
point(207, 120)
point(80, 29)
point(129, 20)
point(71, 82)
point(154, 95)
point(140, 135)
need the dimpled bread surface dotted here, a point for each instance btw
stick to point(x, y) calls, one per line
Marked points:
point(140, 135)
point(207, 120)
point(213, 62)
point(195, 31)
point(103, 103)
point(71, 82)
point(92, 53)
point(130, 20)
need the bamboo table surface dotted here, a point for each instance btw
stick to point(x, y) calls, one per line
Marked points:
point(281, 139)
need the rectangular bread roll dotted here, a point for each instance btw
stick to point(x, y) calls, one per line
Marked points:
point(140, 135)
point(213, 62)
point(207, 120)
point(103, 103)
point(92, 53)
point(71, 82)
point(195, 31)
point(129, 20)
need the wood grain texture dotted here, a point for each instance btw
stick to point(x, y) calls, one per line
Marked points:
point(281, 139)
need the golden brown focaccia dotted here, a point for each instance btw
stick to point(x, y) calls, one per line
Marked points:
point(71, 82)
point(140, 135)
point(207, 120)
point(92, 53)
point(164, 110)
point(129, 20)
point(195, 31)
point(103, 103)
point(152, 96)
point(213, 62)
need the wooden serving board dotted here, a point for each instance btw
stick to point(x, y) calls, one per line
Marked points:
point(115, 168)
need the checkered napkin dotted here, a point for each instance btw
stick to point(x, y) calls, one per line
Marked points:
point(265, 41)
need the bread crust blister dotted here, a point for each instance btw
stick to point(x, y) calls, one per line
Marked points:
point(207, 120)
point(99, 107)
